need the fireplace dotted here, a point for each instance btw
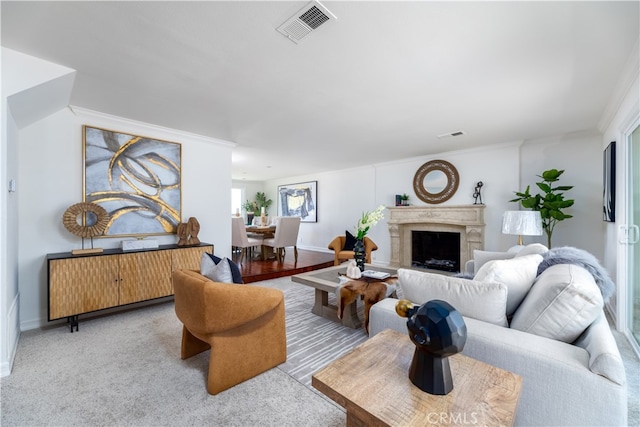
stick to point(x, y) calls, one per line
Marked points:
point(435, 250)
point(464, 221)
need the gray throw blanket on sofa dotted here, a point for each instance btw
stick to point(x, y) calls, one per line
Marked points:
point(582, 258)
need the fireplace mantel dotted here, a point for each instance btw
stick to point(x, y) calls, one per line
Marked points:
point(468, 220)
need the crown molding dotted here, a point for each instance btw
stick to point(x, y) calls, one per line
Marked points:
point(149, 129)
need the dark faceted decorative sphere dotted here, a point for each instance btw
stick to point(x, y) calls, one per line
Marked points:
point(438, 328)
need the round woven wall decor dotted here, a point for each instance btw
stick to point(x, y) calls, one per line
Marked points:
point(448, 189)
point(70, 219)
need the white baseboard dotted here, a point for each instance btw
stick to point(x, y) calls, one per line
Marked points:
point(12, 334)
point(315, 249)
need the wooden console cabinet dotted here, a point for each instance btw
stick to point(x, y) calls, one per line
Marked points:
point(79, 284)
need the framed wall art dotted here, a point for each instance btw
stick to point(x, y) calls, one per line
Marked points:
point(609, 183)
point(299, 199)
point(135, 178)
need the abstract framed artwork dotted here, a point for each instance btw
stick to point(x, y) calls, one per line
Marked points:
point(299, 199)
point(609, 183)
point(135, 178)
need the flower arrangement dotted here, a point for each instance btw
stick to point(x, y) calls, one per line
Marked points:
point(368, 220)
point(250, 206)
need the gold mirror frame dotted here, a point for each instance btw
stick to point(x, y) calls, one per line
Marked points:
point(449, 190)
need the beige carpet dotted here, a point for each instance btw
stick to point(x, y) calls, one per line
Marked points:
point(125, 369)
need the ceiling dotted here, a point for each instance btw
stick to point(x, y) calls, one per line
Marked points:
point(379, 83)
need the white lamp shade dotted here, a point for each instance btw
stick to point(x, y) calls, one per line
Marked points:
point(522, 223)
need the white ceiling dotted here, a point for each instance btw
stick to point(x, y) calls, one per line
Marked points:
point(378, 84)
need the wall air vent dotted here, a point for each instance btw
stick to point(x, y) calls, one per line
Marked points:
point(449, 135)
point(306, 20)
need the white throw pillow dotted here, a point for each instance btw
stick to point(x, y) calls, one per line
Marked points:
point(220, 272)
point(562, 303)
point(480, 258)
point(480, 300)
point(517, 274)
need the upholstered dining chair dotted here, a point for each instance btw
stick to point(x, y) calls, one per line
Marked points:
point(287, 228)
point(341, 253)
point(243, 326)
point(240, 239)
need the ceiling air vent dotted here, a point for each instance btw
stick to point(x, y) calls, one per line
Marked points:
point(308, 19)
point(449, 135)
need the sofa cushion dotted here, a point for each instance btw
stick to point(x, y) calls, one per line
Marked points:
point(480, 300)
point(533, 248)
point(604, 356)
point(516, 273)
point(480, 258)
point(220, 272)
point(563, 301)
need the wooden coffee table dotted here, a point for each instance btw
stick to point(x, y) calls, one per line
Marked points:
point(372, 383)
point(327, 280)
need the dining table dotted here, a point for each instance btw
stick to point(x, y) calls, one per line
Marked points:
point(267, 232)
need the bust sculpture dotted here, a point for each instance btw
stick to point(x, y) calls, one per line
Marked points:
point(438, 331)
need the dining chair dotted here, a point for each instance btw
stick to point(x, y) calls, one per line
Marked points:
point(239, 238)
point(286, 235)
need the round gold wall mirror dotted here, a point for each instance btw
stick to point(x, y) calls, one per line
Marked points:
point(436, 181)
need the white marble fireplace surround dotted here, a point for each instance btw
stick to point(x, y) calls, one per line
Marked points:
point(468, 220)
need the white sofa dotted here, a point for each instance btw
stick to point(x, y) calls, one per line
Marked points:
point(580, 382)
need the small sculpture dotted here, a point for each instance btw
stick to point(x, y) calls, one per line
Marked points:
point(353, 272)
point(193, 228)
point(476, 193)
point(183, 236)
point(438, 331)
point(188, 232)
point(94, 220)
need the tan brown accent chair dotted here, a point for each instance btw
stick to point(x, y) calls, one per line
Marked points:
point(243, 326)
point(337, 245)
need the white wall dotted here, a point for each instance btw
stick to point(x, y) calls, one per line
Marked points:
point(580, 156)
point(51, 181)
point(28, 94)
point(9, 294)
point(343, 195)
point(504, 169)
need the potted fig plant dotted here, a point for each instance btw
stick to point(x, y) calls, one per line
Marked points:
point(550, 203)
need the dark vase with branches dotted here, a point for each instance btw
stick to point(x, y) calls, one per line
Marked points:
point(550, 203)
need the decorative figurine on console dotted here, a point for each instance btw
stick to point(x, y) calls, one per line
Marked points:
point(183, 235)
point(193, 228)
point(438, 331)
point(188, 232)
point(477, 195)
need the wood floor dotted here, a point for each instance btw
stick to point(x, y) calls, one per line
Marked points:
point(254, 270)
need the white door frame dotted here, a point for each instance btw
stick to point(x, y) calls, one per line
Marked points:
point(622, 220)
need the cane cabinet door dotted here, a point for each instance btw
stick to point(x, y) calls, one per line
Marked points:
point(80, 285)
point(144, 276)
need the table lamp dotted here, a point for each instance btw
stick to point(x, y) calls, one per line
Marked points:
point(522, 223)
